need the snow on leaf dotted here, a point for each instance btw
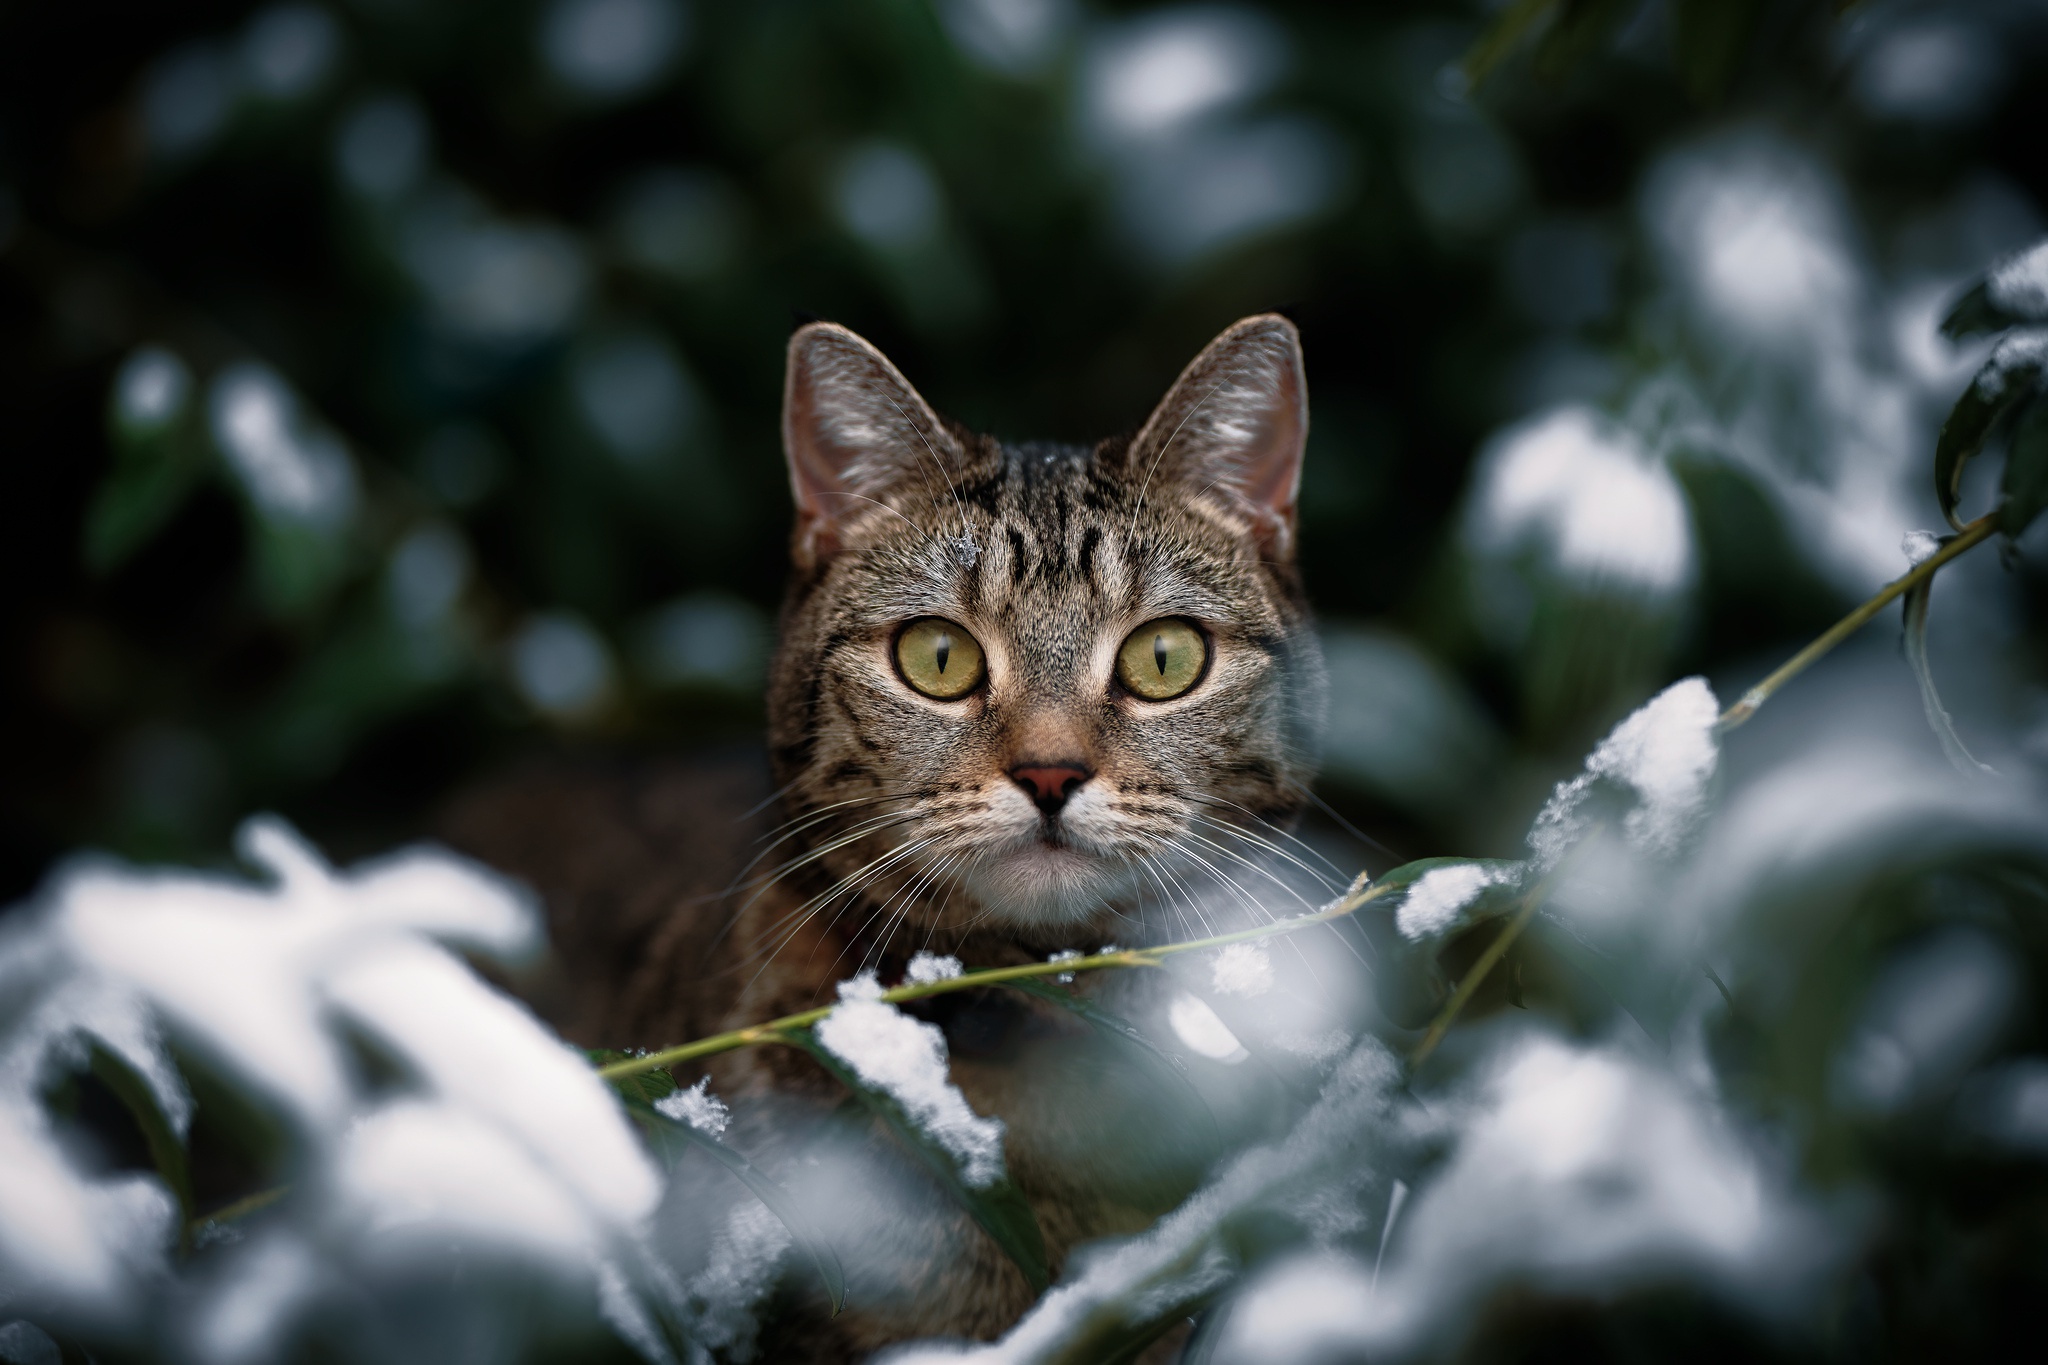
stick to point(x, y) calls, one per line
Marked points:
point(698, 1107)
point(1582, 491)
point(1433, 903)
point(906, 1060)
point(1666, 753)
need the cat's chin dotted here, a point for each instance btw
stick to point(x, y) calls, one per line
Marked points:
point(1040, 883)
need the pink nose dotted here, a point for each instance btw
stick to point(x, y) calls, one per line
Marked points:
point(1049, 784)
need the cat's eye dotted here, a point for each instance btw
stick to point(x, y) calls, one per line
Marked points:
point(1162, 659)
point(939, 659)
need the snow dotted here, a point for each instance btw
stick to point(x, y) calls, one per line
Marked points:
point(1575, 1168)
point(1919, 546)
point(1187, 1254)
point(293, 472)
point(928, 967)
point(1434, 901)
point(906, 1059)
point(1242, 969)
point(1579, 487)
point(698, 1107)
point(495, 1131)
point(1199, 1026)
point(2019, 284)
point(2019, 356)
point(1666, 752)
point(746, 1257)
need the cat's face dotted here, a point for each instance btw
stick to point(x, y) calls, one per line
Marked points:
point(1034, 683)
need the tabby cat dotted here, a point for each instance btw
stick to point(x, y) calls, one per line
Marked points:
point(1020, 692)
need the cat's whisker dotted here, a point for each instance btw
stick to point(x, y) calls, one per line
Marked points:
point(849, 886)
point(1342, 877)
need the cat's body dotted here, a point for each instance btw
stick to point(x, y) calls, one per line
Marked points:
point(971, 755)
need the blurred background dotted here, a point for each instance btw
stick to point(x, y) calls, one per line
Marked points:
point(388, 388)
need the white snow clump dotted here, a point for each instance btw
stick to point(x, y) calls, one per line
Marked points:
point(2019, 356)
point(1919, 546)
point(906, 1059)
point(1666, 752)
point(1582, 490)
point(929, 967)
point(1433, 903)
point(1243, 969)
point(698, 1107)
point(503, 1132)
point(2019, 284)
point(1203, 1030)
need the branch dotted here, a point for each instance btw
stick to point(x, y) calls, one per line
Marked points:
point(1752, 701)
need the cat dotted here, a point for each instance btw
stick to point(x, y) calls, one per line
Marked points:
point(1022, 691)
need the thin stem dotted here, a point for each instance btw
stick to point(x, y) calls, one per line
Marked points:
point(1467, 988)
point(1752, 701)
point(777, 1030)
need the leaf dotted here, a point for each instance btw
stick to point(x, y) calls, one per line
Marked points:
point(2025, 485)
point(1149, 1055)
point(1411, 986)
point(645, 1086)
point(166, 1150)
point(671, 1137)
point(1000, 1208)
point(1916, 655)
point(1503, 36)
point(135, 500)
point(1974, 314)
point(2006, 379)
point(1711, 36)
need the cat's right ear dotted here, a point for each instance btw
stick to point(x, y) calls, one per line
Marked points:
point(853, 429)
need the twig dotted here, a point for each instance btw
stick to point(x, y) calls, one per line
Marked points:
point(1972, 535)
point(777, 1030)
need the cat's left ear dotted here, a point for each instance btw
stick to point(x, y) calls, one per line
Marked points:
point(1235, 422)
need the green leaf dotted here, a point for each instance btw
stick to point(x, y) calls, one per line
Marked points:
point(1916, 655)
point(166, 1149)
point(2025, 485)
point(140, 494)
point(670, 1138)
point(1974, 314)
point(1410, 984)
point(1711, 36)
point(2010, 376)
point(1135, 1044)
point(644, 1086)
point(999, 1208)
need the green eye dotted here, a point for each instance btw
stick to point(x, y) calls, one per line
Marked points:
point(939, 659)
point(1162, 659)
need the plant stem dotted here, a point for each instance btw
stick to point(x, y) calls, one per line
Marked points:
point(777, 1030)
point(1468, 987)
point(1752, 701)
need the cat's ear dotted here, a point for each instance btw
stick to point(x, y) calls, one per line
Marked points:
point(853, 429)
point(1235, 422)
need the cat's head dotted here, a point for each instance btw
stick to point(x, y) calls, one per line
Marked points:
point(1032, 683)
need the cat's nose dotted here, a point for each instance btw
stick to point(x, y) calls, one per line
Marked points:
point(1049, 784)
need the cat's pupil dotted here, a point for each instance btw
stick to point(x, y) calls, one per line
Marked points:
point(1159, 653)
point(942, 648)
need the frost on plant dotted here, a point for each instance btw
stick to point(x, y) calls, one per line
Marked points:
point(1434, 903)
point(1242, 969)
point(2019, 284)
point(906, 1059)
point(492, 1132)
point(698, 1107)
point(1665, 755)
point(925, 968)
